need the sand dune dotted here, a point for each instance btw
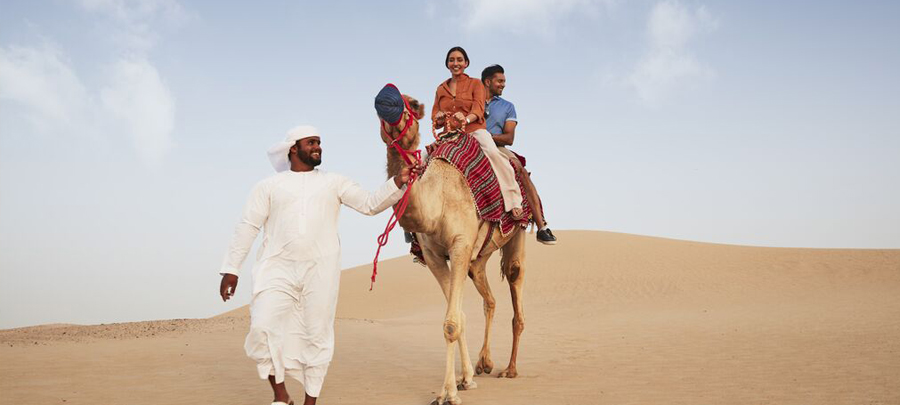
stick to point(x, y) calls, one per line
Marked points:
point(610, 319)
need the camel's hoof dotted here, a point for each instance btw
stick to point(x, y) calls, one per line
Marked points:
point(508, 373)
point(485, 366)
point(449, 401)
point(463, 386)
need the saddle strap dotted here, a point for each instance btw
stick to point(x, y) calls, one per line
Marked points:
point(487, 240)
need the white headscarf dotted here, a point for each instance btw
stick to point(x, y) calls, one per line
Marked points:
point(278, 152)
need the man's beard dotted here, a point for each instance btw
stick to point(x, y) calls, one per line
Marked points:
point(307, 159)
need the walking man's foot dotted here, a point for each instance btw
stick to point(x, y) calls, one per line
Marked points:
point(280, 391)
point(546, 237)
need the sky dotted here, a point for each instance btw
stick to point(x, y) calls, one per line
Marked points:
point(131, 132)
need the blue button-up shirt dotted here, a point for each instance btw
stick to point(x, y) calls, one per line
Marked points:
point(497, 112)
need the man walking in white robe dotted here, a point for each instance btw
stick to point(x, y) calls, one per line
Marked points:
point(297, 271)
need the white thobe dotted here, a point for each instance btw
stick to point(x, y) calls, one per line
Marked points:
point(297, 272)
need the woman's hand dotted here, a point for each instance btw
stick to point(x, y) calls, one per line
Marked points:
point(440, 119)
point(456, 121)
point(451, 122)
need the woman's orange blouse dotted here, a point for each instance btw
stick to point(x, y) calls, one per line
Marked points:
point(469, 100)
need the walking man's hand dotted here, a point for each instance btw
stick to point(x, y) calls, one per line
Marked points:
point(403, 177)
point(228, 286)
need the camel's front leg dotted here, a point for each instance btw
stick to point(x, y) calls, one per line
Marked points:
point(467, 380)
point(460, 260)
point(484, 365)
point(438, 266)
point(454, 325)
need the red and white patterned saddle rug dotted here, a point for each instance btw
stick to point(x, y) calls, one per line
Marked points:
point(464, 153)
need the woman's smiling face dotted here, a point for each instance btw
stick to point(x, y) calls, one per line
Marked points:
point(457, 63)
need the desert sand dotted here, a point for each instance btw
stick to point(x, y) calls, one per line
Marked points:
point(610, 319)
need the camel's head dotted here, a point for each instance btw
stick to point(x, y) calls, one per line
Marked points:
point(410, 117)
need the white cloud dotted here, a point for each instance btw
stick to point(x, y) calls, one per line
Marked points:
point(668, 63)
point(522, 16)
point(671, 25)
point(136, 19)
point(41, 81)
point(141, 101)
point(130, 10)
point(134, 100)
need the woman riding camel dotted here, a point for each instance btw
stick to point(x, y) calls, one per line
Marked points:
point(460, 99)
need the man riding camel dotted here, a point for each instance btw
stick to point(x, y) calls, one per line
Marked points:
point(501, 121)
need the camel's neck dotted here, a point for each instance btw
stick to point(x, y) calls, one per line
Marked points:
point(412, 218)
point(395, 162)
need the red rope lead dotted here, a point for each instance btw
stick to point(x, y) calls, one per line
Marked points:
point(399, 209)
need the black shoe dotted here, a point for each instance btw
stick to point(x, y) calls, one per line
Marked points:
point(546, 237)
point(408, 236)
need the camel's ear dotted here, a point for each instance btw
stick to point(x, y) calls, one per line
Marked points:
point(420, 111)
point(417, 107)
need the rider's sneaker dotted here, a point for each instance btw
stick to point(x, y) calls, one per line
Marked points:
point(546, 237)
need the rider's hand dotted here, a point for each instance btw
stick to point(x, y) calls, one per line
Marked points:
point(456, 121)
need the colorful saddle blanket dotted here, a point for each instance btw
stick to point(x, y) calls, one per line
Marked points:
point(465, 155)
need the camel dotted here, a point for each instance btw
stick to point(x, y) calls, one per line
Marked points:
point(442, 214)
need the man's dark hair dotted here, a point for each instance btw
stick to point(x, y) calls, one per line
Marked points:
point(489, 72)
point(455, 48)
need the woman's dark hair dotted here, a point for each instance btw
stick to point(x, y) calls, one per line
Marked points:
point(490, 71)
point(455, 48)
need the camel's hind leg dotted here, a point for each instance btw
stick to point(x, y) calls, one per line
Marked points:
point(477, 273)
point(513, 265)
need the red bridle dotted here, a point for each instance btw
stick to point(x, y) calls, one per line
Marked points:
point(411, 158)
point(405, 154)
